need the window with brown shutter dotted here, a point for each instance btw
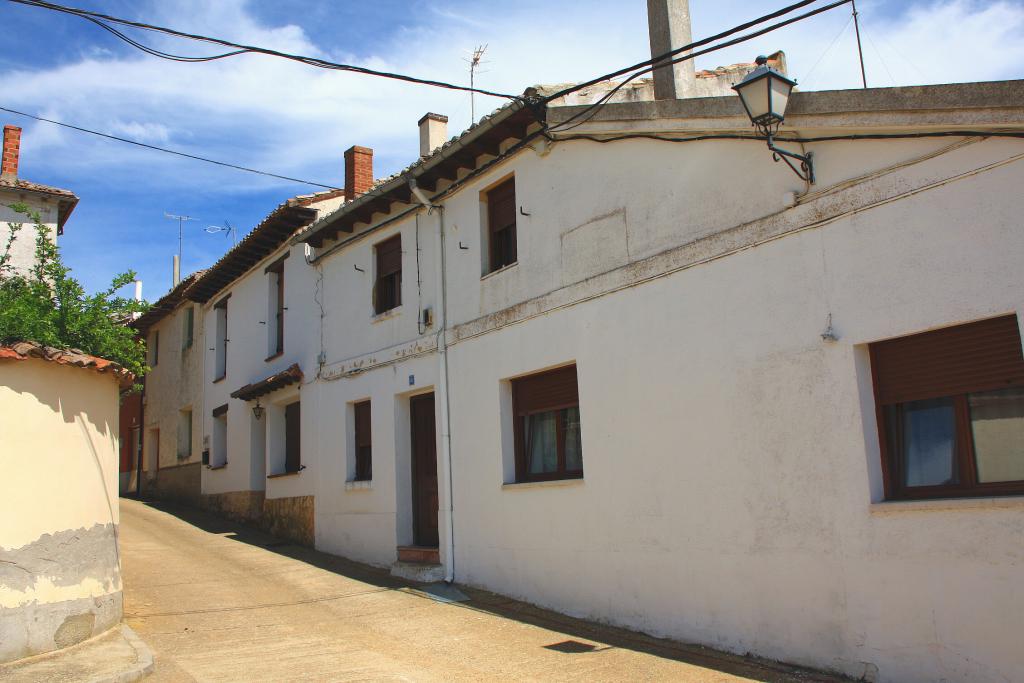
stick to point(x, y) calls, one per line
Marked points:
point(276, 327)
point(501, 225)
point(292, 440)
point(388, 287)
point(951, 411)
point(363, 442)
point(547, 433)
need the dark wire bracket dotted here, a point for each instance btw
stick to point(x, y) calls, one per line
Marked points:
point(806, 169)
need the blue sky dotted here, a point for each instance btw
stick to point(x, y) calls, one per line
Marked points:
point(295, 120)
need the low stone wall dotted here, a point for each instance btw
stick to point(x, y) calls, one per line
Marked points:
point(240, 506)
point(58, 590)
point(179, 484)
point(287, 518)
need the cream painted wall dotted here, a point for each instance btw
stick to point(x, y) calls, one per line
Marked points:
point(60, 467)
point(23, 250)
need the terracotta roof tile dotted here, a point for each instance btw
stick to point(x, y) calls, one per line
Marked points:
point(24, 350)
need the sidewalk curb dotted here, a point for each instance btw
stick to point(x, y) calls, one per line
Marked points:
point(144, 663)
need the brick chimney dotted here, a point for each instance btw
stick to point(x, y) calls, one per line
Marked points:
point(358, 171)
point(12, 146)
point(433, 132)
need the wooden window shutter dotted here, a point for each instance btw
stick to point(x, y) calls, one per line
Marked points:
point(501, 206)
point(979, 356)
point(546, 391)
point(389, 256)
point(292, 446)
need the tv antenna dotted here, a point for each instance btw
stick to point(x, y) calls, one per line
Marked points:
point(181, 221)
point(475, 60)
point(228, 228)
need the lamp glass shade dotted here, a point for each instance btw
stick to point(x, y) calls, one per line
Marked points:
point(765, 94)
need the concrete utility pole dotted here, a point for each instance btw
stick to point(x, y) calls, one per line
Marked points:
point(668, 22)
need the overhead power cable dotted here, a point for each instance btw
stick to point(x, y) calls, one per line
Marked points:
point(592, 109)
point(170, 151)
point(239, 48)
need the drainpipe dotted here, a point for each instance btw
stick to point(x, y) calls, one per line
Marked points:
point(445, 403)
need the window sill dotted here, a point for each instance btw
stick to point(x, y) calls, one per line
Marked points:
point(219, 379)
point(278, 475)
point(551, 484)
point(359, 485)
point(499, 270)
point(390, 313)
point(276, 355)
point(895, 507)
point(216, 467)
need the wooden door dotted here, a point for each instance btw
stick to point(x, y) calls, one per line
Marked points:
point(424, 471)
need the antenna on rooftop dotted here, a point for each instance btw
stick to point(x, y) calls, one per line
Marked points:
point(860, 50)
point(474, 63)
point(228, 228)
point(177, 266)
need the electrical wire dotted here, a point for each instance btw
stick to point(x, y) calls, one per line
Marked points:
point(591, 110)
point(796, 140)
point(170, 151)
point(239, 48)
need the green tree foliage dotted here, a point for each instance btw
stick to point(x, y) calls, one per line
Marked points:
point(49, 306)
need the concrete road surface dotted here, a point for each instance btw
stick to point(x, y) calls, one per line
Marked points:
point(217, 601)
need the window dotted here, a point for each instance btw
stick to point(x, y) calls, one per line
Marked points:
point(501, 225)
point(292, 442)
point(185, 434)
point(219, 454)
point(363, 442)
point(188, 327)
point(220, 311)
point(388, 289)
point(951, 411)
point(547, 426)
point(275, 322)
point(154, 349)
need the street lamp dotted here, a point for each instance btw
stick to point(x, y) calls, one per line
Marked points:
point(764, 94)
point(257, 410)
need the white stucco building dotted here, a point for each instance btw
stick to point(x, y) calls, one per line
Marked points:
point(52, 205)
point(651, 382)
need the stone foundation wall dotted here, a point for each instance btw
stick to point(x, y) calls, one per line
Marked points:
point(180, 484)
point(287, 518)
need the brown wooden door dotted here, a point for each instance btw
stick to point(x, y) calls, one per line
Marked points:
point(424, 471)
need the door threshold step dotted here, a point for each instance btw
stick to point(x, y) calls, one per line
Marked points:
point(418, 571)
point(419, 554)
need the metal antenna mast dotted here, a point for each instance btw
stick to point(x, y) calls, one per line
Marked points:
point(474, 62)
point(181, 220)
point(860, 50)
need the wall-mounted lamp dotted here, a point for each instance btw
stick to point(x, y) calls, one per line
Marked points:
point(765, 94)
point(257, 410)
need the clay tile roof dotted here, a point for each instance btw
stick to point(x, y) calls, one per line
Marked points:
point(66, 199)
point(23, 350)
point(279, 380)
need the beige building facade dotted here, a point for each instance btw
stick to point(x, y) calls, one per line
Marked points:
point(60, 574)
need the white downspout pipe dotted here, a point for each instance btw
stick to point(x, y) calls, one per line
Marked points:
point(445, 403)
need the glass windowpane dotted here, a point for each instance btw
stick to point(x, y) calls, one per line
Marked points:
point(929, 441)
point(541, 443)
point(573, 446)
point(997, 424)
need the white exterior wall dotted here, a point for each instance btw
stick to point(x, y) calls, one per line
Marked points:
point(732, 491)
point(173, 385)
point(372, 357)
point(23, 250)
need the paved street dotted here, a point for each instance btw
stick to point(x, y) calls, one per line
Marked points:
point(216, 601)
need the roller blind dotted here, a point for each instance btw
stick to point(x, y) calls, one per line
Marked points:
point(389, 256)
point(979, 356)
point(546, 391)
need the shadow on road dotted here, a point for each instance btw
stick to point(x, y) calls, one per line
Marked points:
point(572, 637)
